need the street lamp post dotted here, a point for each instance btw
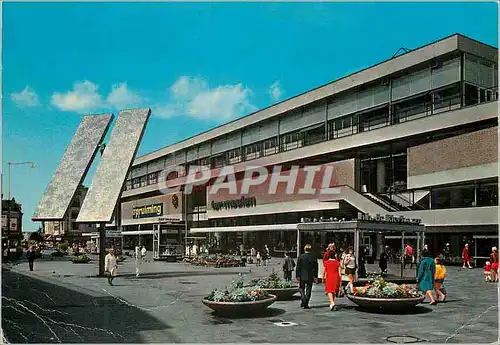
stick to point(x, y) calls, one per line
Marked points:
point(9, 200)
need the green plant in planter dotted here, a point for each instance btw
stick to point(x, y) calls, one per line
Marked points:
point(63, 247)
point(237, 292)
point(81, 257)
point(383, 289)
point(272, 282)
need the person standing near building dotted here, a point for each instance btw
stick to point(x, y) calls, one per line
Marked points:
point(258, 259)
point(382, 263)
point(144, 252)
point(31, 255)
point(253, 253)
point(425, 276)
point(111, 266)
point(306, 273)
point(288, 267)
point(267, 255)
point(465, 257)
point(408, 256)
point(137, 255)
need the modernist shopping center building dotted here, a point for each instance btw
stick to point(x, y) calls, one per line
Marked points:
point(413, 136)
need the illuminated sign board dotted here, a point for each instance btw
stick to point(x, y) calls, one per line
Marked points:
point(147, 211)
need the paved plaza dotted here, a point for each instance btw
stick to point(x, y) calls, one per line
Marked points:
point(65, 302)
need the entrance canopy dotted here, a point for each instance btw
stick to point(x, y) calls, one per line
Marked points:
point(362, 225)
point(394, 227)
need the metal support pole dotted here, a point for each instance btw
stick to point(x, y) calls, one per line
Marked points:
point(102, 248)
point(186, 226)
point(418, 247)
point(423, 239)
point(8, 180)
point(8, 212)
point(356, 250)
point(402, 253)
point(118, 223)
point(298, 242)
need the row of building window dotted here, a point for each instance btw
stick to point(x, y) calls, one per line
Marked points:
point(480, 194)
point(431, 103)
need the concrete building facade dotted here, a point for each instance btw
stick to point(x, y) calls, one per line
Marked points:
point(414, 136)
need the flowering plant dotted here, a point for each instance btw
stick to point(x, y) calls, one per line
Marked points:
point(272, 282)
point(383, 289)
point(237, 292)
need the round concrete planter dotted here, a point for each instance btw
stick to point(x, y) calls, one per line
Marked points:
point(386, 303)
point(282, 294)
point(240, 308)
point(80, 261)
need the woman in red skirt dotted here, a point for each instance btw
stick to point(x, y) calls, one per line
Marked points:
point(465, 257)
point(333, 278)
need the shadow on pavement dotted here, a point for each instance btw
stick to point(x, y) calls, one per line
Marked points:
point(35, 311)
point(269, 312)
point(412, 311)
point(159, 275)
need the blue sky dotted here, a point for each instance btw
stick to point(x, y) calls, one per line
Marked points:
point(196, 64)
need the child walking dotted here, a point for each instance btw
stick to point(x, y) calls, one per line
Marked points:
point(439, 277)
point(487, 272)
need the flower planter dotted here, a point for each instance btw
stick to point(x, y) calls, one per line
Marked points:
point(240, 308)
point(80, 261)
point(386, 303)
point(282, 294)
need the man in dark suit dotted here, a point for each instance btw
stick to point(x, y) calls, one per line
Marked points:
point(306, 273)
point(30, 255)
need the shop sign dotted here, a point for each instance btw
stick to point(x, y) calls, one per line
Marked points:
point(169, 220)
point(113, 233)
point(147, 211)
point(388, 219)
point(237, 203)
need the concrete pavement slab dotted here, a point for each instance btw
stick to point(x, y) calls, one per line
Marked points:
point(163, 305)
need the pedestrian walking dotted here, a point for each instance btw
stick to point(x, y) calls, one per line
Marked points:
point(494, 263)
point(439, 278)
point(332, 276)
point(31, 255)
point(306, 273)
point(288, 267)
point(350, 267)
point(465, 257)
point(425, 276)
point(258, 259)
point(144, 252)
point(330, 248)
point(487, 272)
point(111, 266)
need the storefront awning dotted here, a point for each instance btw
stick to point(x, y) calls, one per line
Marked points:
point(247, 228)
point(136, 233)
